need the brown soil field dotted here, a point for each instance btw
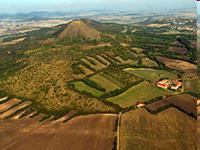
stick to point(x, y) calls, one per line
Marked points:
point(3, 99)
point(177, 44)
point(168, 130)
point(184, 102)
point(179, 50)
point(180, 65)
point(85, 132)
point(198, 111)
point(65, 117)
point(18, 115)
point(14, 130)
point(10, 103)
point(198, 102)
point(14, 109)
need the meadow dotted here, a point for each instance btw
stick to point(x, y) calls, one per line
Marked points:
point(144, 91)
point(151, 74)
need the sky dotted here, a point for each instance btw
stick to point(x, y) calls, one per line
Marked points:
point(13, 6)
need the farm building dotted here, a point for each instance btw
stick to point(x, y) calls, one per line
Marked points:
point(140, 104)
point(163, 84)
point(169, 84)
point(176, 85)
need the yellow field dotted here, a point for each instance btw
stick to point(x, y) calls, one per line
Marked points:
point(168, 130)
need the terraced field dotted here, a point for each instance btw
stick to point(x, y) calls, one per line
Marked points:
point(9, 108)
point(151, 74)
point(93, 63)
point(105, 83)
point(144, 91)
point(82, 87)
point(90, 64)
point(85, 70)
point(168, 130)
point(14, 109)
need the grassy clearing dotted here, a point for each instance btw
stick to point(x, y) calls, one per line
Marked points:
point(151, 74)
point(82, 87)
point(144, 91)
point(107, 84)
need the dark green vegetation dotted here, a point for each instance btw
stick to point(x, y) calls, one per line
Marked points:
point(80, 66)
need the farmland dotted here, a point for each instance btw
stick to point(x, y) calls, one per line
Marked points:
point(179, 65)
point(90, 64)
point(79, 133)
point(107, 84)
point(120, 77)
point(16, 109)
point(82, 87)
point(184, 102)
point(136, 93)
point(170, 129)
point(151, 74)
point(149, 63)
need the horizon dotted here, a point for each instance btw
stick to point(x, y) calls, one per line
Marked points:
point(23, 6)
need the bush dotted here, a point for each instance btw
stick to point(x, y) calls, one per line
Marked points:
point(2, 93)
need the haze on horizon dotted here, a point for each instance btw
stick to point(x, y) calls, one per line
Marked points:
point(15, 6)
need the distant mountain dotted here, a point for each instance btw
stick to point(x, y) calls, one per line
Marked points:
point(79, 28)
point(30, 15)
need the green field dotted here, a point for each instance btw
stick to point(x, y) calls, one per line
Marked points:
point(151, 74)
point(107, 84)
point(149, 63)
point(82, 87)
point(144, 91)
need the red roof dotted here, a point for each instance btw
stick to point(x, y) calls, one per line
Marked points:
point(162, 84)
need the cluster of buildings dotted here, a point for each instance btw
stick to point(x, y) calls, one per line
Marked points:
point(164, 84)
point(170, 84)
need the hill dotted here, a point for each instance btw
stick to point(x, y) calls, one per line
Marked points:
point(78, 28)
